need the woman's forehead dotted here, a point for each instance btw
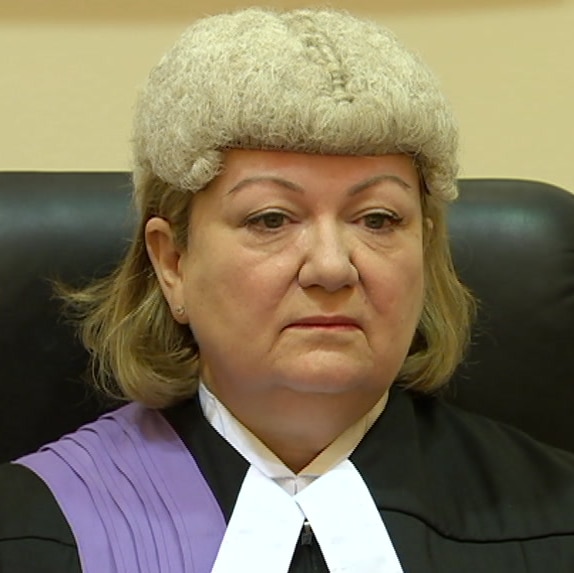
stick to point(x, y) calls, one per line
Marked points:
point(242, 166)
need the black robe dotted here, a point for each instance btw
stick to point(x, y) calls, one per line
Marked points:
point(457, 493)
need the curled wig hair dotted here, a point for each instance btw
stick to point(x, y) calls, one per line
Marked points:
point(311, 81)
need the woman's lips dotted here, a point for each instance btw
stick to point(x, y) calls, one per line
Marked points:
point(326, 323)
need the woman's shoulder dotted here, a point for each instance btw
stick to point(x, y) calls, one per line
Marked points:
point(498, 471)
point(467, 477)
point(490, 443)
point(34, 534)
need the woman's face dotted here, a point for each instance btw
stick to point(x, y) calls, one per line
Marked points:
point(304, 273)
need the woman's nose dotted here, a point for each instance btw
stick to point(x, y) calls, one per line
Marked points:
point(327, 259)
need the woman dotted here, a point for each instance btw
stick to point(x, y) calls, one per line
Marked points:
point(286, 311)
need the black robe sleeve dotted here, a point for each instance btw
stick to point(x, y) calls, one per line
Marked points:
point(34, 535)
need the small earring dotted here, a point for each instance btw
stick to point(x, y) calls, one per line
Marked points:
point(179, 310)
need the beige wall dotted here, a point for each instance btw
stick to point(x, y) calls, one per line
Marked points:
point(70, 70)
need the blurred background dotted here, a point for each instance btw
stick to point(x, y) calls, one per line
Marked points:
point(71, 69)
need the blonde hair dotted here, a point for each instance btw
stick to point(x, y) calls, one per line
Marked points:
point(313, 81)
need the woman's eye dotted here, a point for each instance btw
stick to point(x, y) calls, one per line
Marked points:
point(268, 221)
point(380, 220)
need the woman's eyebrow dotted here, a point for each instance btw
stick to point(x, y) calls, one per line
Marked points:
point(375, 180)
point(266, 179)
point(354, 189)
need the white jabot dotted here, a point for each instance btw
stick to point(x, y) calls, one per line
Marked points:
point(274, 503)
point(264, 528)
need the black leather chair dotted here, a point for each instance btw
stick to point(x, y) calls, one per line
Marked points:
point(513, 243)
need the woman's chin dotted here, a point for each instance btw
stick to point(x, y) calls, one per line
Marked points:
point(335, 377)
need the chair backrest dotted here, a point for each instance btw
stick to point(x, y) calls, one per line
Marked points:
point(513, 243)
point(65, 226)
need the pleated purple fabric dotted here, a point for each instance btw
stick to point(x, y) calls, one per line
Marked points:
point(133, 495)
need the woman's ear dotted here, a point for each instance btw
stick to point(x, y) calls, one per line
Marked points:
point(166, 259)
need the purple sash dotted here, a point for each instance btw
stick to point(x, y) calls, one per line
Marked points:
point(133, 495)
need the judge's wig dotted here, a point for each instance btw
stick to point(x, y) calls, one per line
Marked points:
point(312, 81)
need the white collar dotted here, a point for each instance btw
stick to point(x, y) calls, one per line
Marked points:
point(260, 456)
